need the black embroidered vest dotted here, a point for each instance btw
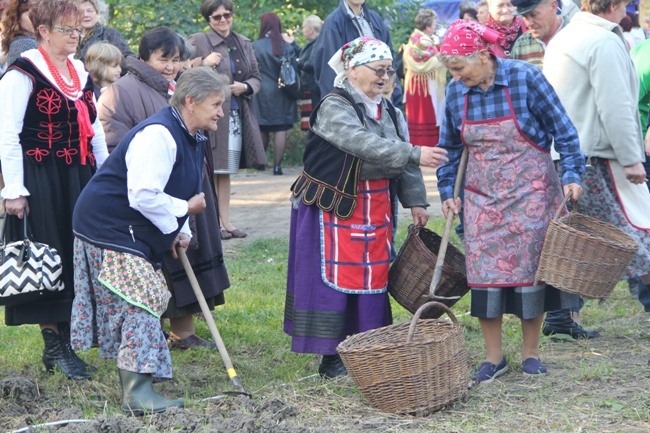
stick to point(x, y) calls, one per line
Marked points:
point(50, 129)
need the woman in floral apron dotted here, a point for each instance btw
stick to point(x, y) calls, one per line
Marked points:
point(507, 116)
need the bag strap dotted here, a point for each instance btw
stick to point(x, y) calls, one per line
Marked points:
point(4, 228)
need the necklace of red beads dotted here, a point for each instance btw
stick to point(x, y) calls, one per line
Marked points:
point(71, 90)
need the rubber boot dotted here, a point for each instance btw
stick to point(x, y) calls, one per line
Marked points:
point(139, 397)
point(57, 353)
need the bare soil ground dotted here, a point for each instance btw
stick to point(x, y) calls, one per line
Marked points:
point(260, 202)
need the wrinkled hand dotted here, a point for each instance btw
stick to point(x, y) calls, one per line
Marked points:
point(212, 60)
point(17, 206)
point(237, 88)
point(183, 241)
point(420, 216)
point(432, 156)
point(453, 205)
point(196, 204)
point(576, 190)
point(636, 173)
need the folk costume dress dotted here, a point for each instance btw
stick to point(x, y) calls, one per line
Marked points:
point(424, 84)
point(511, 186)
point(51, 143)
point(120, 290)
point(339, 259)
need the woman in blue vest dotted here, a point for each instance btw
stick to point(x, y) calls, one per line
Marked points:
point(134, 210)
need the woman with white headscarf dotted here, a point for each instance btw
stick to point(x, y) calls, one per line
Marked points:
point(342, 214)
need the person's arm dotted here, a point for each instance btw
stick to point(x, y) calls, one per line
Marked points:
point(99, 142)
point(450, 139)
point(328, 42)
point(113, 111)
point(253, 80)
point(115, 37)
point(15, 88)
point(149, 161)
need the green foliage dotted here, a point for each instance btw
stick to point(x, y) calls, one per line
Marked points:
point(133, 18)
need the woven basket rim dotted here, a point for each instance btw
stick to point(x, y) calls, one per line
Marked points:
point(562, 224)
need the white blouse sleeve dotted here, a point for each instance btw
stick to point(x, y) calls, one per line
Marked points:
point(149, 162)
point(99, 140)
point(15, 88)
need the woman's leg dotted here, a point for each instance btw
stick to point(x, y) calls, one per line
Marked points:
point(280, 140)
point(530, 329)
point(265, 139)
point(491, 329)
point(222, 185)
point(182, 327)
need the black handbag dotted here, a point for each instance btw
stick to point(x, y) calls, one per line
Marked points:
point(289, 80)
point(28, 269)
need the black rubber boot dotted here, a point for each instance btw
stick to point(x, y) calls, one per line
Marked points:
point(332, 366)
point(139, 397)
point(57, 353)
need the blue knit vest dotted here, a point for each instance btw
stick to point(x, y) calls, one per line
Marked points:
point(102, 215)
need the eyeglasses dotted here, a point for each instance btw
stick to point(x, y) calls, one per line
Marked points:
point(380, 72)
point(218, 17)
point(67, 30)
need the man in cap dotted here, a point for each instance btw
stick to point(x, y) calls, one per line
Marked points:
point(589, 66)
point(543, 21)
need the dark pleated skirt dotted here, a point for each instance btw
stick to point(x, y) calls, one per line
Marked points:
point(206, 257)
point(54, 188)
point(316, 316)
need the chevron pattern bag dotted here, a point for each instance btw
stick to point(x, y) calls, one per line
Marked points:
point(27, 269)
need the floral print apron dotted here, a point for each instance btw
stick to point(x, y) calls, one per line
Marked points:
point(511, 193)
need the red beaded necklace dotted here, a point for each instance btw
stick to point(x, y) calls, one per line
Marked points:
point(72, 90)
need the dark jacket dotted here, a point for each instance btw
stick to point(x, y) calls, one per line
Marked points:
point(337, 30)
point(130, 100)
point(103, 216)
point(107, 34)
point(306, 66)
point(252, 148)
point(272, 105)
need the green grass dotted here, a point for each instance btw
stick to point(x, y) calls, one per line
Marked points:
point(600, 385)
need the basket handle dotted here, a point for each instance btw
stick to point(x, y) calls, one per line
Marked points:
point(563, 205)
point(422, 309)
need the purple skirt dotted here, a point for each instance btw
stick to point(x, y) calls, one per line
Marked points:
point(316, 316)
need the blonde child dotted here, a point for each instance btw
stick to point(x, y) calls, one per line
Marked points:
point(102, 62)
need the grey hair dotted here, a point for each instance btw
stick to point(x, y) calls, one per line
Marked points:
point(481, 4)
point(314, 22)
point(598, 7)
point(198, 83)
point(450, 58)
point(425, 18)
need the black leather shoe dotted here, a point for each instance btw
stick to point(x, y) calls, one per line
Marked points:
point(573, 329)
point(332, 366)
point(57, 353)
point(277, 170)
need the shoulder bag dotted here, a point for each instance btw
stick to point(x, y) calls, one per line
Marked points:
point(28, 269)
point(289, 80)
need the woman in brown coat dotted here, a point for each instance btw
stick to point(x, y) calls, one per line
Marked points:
point(237, 141)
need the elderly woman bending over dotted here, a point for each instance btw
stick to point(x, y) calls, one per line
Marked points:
point(507, 116)
point(341, 219)
point(132, 212)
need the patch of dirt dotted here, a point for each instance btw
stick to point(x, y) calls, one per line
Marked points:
point(260, 202)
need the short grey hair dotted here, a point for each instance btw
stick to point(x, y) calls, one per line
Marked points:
point(449, 58)
point(198, 83)
point(425, 18)
point(598, 7)
point(314, 22)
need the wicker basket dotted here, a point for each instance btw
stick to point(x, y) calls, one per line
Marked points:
point(411, 273)
point(403, 370)
point(584, 256)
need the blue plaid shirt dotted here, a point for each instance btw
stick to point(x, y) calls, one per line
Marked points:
point(540, 114)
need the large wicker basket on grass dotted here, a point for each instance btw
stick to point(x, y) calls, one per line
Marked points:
point(410, 275)
point(415, 368)
point(584, 256)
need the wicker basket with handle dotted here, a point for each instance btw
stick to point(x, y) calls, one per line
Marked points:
point(584, 256)
point(410, 275)
point(415, 368)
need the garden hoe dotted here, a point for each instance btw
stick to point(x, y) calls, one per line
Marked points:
point(440, 261)
point(213, 326)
